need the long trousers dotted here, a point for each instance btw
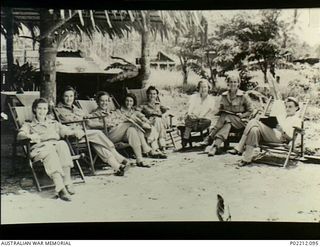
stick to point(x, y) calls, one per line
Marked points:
point(105, 148)
point(197, 124)
point(129, 133)
point(253, 135)
point(57, 161)
point(224, 124)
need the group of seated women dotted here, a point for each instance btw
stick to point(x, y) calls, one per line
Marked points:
point(144, 129)
point(235, 112)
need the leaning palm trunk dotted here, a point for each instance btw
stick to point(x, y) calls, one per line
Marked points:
point(145, 50)
point(48, 53)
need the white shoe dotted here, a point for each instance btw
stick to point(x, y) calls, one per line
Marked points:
point(207, 149)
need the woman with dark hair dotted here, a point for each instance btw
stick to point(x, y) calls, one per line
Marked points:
point(257, 132)
point(117, 127)
point(150, 133)
point(105, 149)
point(45, 134)
point(155, 112)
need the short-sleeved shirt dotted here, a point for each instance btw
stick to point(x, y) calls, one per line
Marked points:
point(107, 118)
point(150, 110)
point(288, 125)
point(240, 104)
point(200, 108)
point(69, 114)
point(47, 130)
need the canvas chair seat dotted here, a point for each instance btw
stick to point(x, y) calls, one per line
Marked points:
point(20, 115)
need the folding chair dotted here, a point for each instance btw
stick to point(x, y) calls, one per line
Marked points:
point(20, 115)
point(141, 95)
point(195, 135)
point(78, 146)
point(291, 149)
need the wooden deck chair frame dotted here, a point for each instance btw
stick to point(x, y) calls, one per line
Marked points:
point(141, 95)
point(20, 115)
point(76, 145)
point(288, 149)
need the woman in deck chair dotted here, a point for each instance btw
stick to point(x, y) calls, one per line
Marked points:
point(155, 112)
point(45, 135)
point(120, 127)
point(235, 108)
point(150, 132)
point(200, 106)
point(105, 149)
point(257, 132)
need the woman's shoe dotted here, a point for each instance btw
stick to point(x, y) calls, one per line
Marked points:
point(207, 149)
point(212, 151)
point(157, 155)
point(120, 172)
point(184, 142)
point(243, 163)
point(64, 195)
point(140, 164)
point(125, 162)
point(234, 152)
point(70, 189)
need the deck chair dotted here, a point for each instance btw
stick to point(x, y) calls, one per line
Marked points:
point(79, 146)
point(291, 150)
point(88, 106)
point(20, 115)
point(141, 95)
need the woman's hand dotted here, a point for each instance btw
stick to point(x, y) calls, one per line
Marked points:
point(239, 114)
point(279, 128)
point(79, 133)
point(34, 138)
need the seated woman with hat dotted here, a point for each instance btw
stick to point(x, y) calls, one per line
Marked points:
point(257, 132)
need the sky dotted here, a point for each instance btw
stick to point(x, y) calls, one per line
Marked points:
point(308, 25)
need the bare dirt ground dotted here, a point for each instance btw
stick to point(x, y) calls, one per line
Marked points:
point(182, 188)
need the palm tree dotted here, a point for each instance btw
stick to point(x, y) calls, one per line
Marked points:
point(56, 24)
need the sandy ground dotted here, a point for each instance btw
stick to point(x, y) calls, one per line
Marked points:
point(182, 188)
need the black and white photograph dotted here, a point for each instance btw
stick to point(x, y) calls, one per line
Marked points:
point(160, 115)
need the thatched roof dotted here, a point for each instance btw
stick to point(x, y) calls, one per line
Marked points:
point(108, 22)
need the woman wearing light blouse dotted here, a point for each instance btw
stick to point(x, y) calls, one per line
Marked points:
point(201, 105)
point(45, 135)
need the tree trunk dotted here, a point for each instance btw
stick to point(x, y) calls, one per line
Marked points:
point(9, 44)
point(145, 50)
point(48, 53)
point(185, 74)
